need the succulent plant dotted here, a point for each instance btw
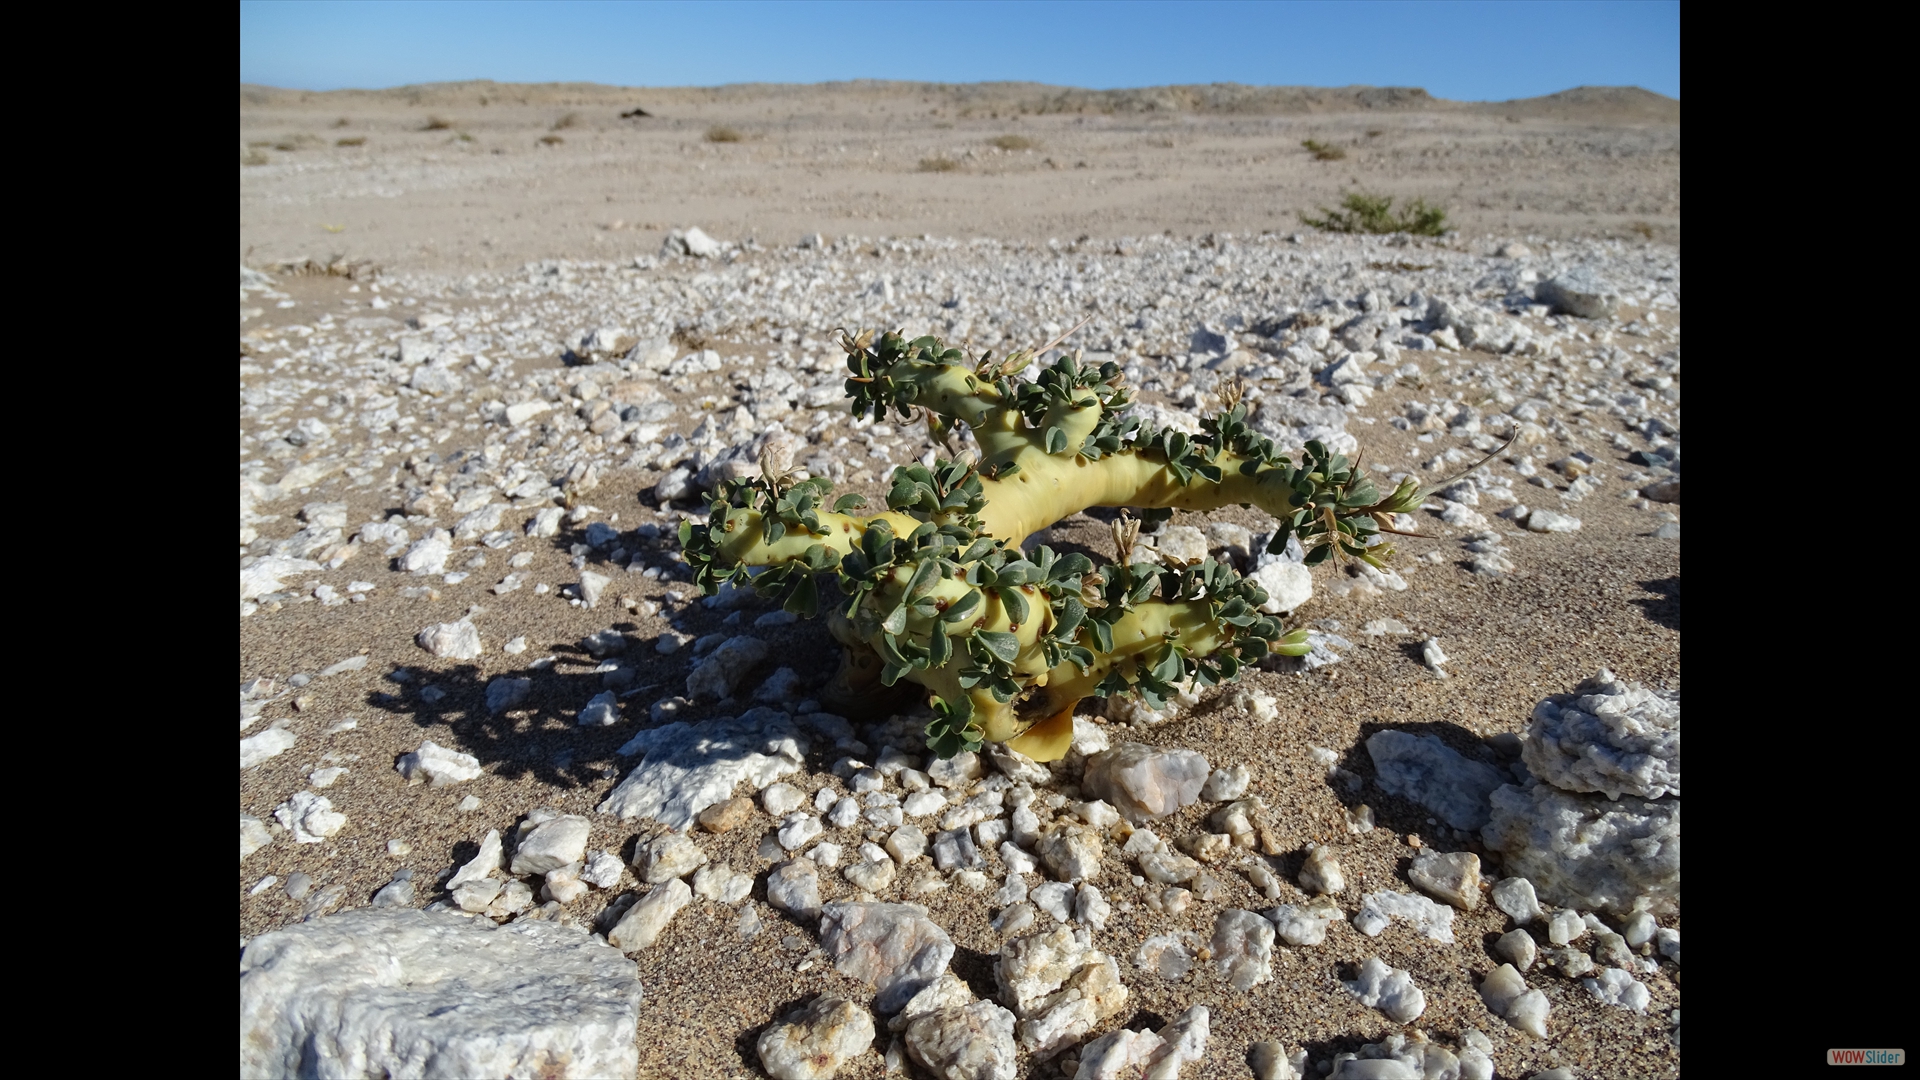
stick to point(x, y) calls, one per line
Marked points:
point(936, 596)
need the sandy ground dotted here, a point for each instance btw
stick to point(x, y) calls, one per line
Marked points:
point(847, 162)
point(564, 176)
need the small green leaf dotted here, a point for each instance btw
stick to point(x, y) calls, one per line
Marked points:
point(961, 608)
point(1003, 645)
point(1015, 604)
point(925, 577)
point(896, 621)
point(939, 646)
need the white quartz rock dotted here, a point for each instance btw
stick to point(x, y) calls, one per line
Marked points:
point(482, 865)
point(895, 947)
point(795, 886)
point(1507, 997)
point(1515, 896)
point(1270, 1061)
point(253, 835)
point(691, 766)
point(268, 744)
point(1321, 872)
point(1304, 924)
point(1412, 1058)
point(644, 922)
point(452, 641)
point(666, 857)
point(397, 992)
point(722, 670)
point(1434, 921)
point(552, 844)
point(1588, 851)
point(814, 1042)
point(1615, 986)
point(1146, 782)
point(1227, 783)
point(1433, 774)
point(1150, 1054)
point(435, 763)
point(1071, 852)
point(1453, 877)
point(1608, 736)
point(310, 818)
point(1242, 949)
point(970, 1041)
point(1059, 986)
point(1517, 947)
point(1390, 990)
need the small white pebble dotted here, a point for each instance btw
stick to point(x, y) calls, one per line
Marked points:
point(516, 646)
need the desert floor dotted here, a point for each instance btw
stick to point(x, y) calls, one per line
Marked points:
point(443, 199)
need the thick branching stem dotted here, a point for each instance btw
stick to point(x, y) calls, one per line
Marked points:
point(940, 591)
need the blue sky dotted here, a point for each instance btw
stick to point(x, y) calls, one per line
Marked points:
point(1467, 51)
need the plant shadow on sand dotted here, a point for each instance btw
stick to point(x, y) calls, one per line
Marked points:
point(541, 736)
point(1664, 606)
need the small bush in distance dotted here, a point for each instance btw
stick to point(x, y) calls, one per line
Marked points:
point(938, 164)
point(1012, 142)
point(572, 119)
point(1324, 151)
point(352, 140)
point(551, 140)
point(1375, 214)
point(722, 133)
point(435, 123)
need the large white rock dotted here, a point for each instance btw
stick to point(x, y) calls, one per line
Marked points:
point(971, 1041)
point(1059, 986)
point(814, 1042)
point(482, 865)
point(262, 576)
point(1156, 1055)
point(453, 641)
point(272, 742)
point(1289, 585)
point(1377, 909)
point(1579, 291)
point(691, 766)
point(1390, 990)
point(1506, 996)
point(552, 844)
point(1587, 851)
point(1400, 1057)
point(643, 923)
point(436, 763)
point(253, 835)
point(1305, 924)
point(894, 947)
point(667, 857)
point(1242, 949)
point(1609, 736)
point(1071, 852)
point(429, 554)
point(310, 818)
point(410, 993)
point(795, 886)
point(1146, 782)
point(1453, 877)
point(1427, 771)
point(721, 672)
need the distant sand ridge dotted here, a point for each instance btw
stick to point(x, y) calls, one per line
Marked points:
point(480, 174)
